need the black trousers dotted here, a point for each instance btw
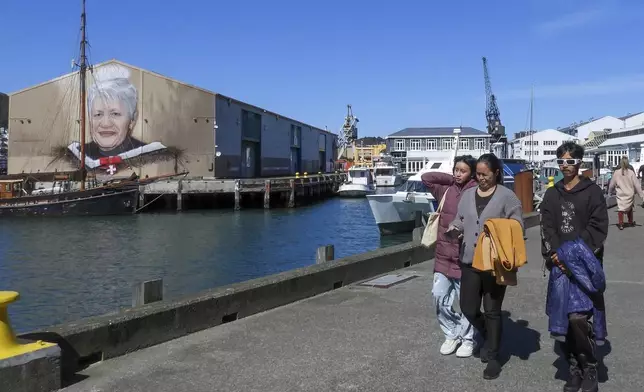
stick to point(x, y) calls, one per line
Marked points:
point(477, 286)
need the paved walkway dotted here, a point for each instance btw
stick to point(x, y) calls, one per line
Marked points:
point(369, 339)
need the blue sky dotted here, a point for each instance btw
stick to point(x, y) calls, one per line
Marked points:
point(400, 64)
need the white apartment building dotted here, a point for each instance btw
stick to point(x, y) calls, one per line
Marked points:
point(412, 148)
point(541, 146)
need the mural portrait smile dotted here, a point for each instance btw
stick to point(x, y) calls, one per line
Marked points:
point(110, 126)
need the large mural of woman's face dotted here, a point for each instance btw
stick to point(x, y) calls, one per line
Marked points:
point(112, 102)
point(111, 123)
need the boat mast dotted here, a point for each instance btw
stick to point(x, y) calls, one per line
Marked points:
point(531, 131)
point(82, 72)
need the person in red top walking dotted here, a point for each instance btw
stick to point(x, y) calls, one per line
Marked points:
point(459, 334)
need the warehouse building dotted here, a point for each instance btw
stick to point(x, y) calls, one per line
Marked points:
point(540, 147)
point(412, 148)
point(142, 122)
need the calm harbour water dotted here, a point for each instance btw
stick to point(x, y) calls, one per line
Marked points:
point(68, 268)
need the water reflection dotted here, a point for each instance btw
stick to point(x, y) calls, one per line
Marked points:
point(70, 268)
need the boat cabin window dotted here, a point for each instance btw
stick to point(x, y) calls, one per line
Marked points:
point(358, 173)
point(436, 165)
point(413, 186)
point(10, 188)
point(384, 172)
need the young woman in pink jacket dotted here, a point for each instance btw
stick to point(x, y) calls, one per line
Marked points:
point(459, 334)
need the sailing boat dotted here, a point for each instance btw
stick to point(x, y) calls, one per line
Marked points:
point(117, 198)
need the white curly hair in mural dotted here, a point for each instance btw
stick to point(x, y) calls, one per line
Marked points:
point(112, 84)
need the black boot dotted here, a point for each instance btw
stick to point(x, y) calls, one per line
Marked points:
point(576, 375)
point(492, 370)
point(589, 383)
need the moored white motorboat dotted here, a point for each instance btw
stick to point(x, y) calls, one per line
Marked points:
point(400, 212)
point(359, 183)
point(404, 210)
point(387, 174)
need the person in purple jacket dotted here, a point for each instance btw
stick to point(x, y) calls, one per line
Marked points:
point(447, 272)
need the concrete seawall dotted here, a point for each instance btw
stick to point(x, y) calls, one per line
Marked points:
point(102, 337)
point(97, 338)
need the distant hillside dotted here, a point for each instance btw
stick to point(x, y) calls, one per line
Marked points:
point(370, 140)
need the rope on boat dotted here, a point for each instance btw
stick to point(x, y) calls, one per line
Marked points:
point(153, 200)
point(158, 197)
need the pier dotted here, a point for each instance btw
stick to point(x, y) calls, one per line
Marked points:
point(343, 331)
point(288, 192)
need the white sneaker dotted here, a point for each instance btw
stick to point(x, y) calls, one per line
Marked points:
point(466, 350)
point(449, 346)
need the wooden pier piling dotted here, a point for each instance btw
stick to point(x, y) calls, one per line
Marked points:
point(179, 196)
point(291, 194)
point(267, 194)
point(244, 192)
point(237, 195)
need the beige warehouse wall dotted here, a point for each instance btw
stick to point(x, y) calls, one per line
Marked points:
point(137, 122)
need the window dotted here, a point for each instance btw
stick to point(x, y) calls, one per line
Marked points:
point(322, 142)
point(464, 144)
point(399, 145)
point(414, 166)
point(414, 145)
point(479, 144)
point(413, 186)
point(549, 152)
point(436, 165)
point(448, 144)
point(431, 144)
point(550, 143)
point(534, 143)
point(296, 133)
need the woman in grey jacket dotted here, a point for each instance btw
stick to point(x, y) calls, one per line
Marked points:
point(490, 199)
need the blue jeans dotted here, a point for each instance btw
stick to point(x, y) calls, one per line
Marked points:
point(454, 325)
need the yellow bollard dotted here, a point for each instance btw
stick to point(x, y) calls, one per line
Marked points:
point(9, 346)
point(551, 182)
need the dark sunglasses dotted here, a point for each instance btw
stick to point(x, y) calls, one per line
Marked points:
point(569, 162)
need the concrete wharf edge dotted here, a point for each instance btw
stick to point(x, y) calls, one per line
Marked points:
point(107, 336)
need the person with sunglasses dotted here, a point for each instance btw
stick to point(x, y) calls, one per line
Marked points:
point(575, 208)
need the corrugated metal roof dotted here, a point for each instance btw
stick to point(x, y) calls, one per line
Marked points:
point(620, 141)
point(596, 141)
point(626, 117)
point(437, 131)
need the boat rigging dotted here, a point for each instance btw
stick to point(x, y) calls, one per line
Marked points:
point(83, 92)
